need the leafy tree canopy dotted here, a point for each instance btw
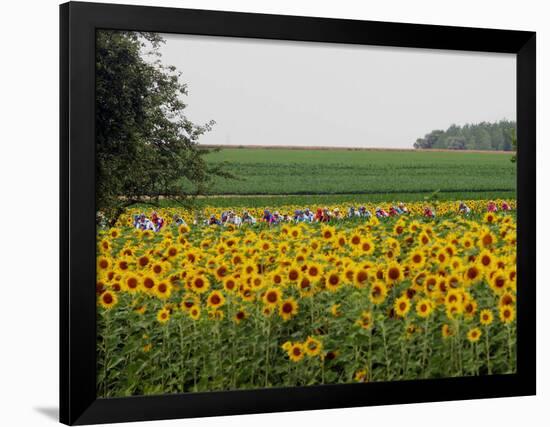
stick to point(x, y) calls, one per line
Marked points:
point(146, 148)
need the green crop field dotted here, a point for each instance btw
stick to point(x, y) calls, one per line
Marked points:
point(263, 171)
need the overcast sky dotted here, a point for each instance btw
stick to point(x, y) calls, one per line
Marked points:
point(263, 92)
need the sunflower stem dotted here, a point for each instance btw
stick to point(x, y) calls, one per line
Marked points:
point(194, 358)
point(106, 352)
point(510, 356)
point(487, 353)
point(182, 358)
point(386, 356)
point(267, 352)
point(425, 347)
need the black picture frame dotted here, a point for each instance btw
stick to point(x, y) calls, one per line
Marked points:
point(78, 25)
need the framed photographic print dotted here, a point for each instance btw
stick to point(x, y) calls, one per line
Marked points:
point(274, 213)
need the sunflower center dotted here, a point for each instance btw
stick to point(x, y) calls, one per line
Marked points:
point(393, 273)
point(272, 296)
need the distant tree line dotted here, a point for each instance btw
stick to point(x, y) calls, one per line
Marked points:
point(481, 136)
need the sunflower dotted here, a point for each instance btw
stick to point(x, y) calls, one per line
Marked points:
point(467, 242)
point(486, 317)
point(414, 226)
point(360, 278)
point(283, 248)
point(489, 217)
point(256, 281)
point(314, 271)
point(195, 312)
point(333, 281)
point(367, 247)
point(264, 245)
point(506, 299)
point(189, 300)
point(365, 321)
point(423, 239)
point(424, 308)
point(172, 251)
point(454, 297)
point(355, 239)
point(498, 282)
point(184, 228)
point(446, 331)
point(378, 292)
point(246, 293)
point(472, 274)
point(327, 232)
point(249, 268)
point(294, 273)
point(296, 352)
point(192, 256)
point(221, 271)
point(277, 277)
point(240, 315)
point(131, 283)
point(430, 284)
point(159, 268)
point(288, 308)
point(230, 284)
point(380, 272)
point(306, 287)
point(486, 238)
point(442, 257)
point(399, 228)
point(272, 297)
point(486, 259)
point(148, 283)
point(507, 314)
point(402, 305)
point(200, 284)
point(215, 300)
point(163, 290)
point(470, 308)
point(312, 346)
point(417, 259)
point(473, 335)
point(103, 263)
point(163, 315)
point(105, 245)
point(108, 299)
point(361, 376)
point(394, 273)
point(335, 310)
point(453, 311)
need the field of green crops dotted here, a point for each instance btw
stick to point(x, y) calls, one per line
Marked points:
point(264, 171)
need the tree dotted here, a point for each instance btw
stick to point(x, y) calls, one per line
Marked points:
point(480, 136)
point(456, 143)
point(514, 144)
point(483, 139)
point(146, 148)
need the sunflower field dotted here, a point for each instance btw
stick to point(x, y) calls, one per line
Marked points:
point(204, 308)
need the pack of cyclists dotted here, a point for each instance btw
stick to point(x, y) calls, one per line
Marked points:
point(322, 215)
